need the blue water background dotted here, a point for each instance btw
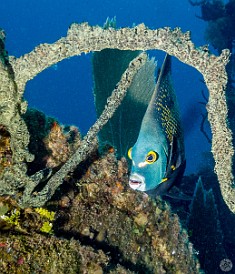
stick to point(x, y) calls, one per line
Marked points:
point(65, 90)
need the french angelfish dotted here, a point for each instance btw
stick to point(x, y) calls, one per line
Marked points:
point(158, 159)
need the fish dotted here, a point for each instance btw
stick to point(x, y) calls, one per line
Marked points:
point(158, 156)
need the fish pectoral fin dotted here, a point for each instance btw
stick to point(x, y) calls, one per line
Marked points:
point(175, 174)
point(175, 157)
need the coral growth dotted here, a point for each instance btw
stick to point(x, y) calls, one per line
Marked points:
point(52, 144)
point(116, 230)
point(136, 232)
point(36, 253)
point(61, 144)
point(5, 149)
point(220, 17)
point(13, 218)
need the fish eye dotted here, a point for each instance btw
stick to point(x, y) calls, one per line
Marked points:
point(151, 157)
point(129, 153)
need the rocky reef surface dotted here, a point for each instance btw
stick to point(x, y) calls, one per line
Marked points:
point(93, 224)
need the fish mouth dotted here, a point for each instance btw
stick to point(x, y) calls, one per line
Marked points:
point(137, 182)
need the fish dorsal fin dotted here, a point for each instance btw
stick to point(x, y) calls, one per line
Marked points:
point(164, 71)
point(164, 102)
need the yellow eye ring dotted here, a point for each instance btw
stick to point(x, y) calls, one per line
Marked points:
point(151, 157)
point(129, 153)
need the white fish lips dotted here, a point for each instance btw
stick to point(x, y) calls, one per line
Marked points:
point(137, 182)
